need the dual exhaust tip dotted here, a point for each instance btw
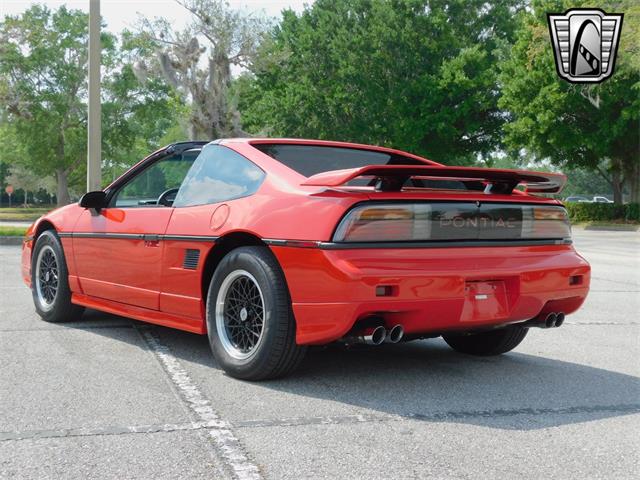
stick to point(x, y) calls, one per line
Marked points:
point(378, 335)
point(554, 320)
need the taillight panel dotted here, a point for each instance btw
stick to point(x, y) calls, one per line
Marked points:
point(456, 221)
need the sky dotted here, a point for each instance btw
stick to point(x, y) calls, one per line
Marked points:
point(121, 14)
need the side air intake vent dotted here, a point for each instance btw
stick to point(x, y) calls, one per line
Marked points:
point(191, 257)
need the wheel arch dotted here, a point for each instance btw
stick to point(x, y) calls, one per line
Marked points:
point(42, 226)
point(222, 247)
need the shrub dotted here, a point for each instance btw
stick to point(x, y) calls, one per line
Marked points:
point(633, 212)
point(603, 212)
point(12, 231)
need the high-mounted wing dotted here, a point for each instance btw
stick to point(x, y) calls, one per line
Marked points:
point(393, 177)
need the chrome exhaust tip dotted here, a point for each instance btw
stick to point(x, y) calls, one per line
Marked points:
point(375, 336)
point(395, 334)
point(368, 336)
point(559, 319)
point(550, 321)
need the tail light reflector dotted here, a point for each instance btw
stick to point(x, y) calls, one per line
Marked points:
point(443, 221)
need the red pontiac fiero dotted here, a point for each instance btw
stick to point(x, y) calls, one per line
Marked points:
point(271, 245)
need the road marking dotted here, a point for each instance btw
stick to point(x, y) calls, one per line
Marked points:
point(326, 420)
point(64, 328)
point(588, 323)
point(622, 282)
point(591, 290)
point(623, 409)
point(228, 446)
point(96, 431)
point(436, 416)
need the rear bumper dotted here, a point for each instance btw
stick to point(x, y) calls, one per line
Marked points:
point(432, 289)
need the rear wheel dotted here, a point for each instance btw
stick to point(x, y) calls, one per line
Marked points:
point(50, 282)
point(249, 319)
point(495, 342)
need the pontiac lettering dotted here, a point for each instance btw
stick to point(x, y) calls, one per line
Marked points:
point(475, 222)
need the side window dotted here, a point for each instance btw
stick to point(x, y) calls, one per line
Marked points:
point(218, 174)
point(162, 177)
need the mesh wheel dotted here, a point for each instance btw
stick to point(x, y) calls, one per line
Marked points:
point(49, 281)
point(251, 326)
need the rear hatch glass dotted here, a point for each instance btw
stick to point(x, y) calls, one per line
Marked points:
point(310, 160)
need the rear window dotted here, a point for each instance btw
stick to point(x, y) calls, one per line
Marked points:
point(309, 160)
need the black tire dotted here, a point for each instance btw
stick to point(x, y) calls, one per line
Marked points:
point(486, 344)
point(275, 353)
point(52, 307)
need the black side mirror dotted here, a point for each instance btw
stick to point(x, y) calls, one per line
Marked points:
point(95, 200)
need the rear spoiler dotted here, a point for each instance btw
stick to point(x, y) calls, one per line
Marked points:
point(393, 177)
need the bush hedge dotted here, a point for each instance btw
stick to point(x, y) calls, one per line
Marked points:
point(589, 212)
point(12, 231)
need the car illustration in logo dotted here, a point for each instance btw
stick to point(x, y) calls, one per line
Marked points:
point(585, 43)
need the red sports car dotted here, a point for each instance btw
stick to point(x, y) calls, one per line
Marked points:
point(271, 245)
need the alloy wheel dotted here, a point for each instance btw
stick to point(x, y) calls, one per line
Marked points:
point(240, 314)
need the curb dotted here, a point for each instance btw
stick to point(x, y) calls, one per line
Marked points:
point(11, 240)
point(16, 223)
point(612, 228)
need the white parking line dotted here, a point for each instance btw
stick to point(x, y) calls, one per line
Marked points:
point(228, 446)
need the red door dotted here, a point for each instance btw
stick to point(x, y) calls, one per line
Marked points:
point(118, 254)
point(118, 250)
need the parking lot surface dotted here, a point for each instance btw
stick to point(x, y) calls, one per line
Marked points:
point(112, 398)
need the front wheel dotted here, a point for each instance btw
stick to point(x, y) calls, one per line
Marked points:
point(49, 281)
point(485, 344)
point(249, 319)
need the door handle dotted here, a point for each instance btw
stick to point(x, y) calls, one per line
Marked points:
point(151, 240)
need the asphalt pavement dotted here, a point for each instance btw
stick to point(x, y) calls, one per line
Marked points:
point(111, 398)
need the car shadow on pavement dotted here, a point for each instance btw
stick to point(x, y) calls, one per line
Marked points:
point(426, 380)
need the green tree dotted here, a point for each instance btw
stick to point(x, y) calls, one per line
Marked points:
point(575, 126)
point(135, 117)
point(8, 143)
point(43, 57)
point(585, 182)
point(414, 74)
point(28, 181)
point(43, 93)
